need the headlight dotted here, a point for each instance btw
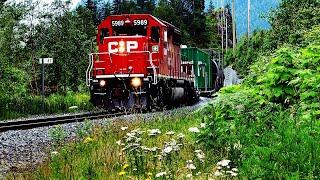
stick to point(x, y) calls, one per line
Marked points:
point(102, 83)
point(136, 82)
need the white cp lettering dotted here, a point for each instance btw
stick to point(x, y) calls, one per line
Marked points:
point(113, 47)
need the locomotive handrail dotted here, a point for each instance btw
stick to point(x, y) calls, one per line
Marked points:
point(89, 69)
point(91, 59)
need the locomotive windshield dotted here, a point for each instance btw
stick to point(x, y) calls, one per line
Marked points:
point(129, 30)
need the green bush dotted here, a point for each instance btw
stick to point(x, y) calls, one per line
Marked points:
point(270, 125)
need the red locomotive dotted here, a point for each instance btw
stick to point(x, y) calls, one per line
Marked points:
point(138, 65)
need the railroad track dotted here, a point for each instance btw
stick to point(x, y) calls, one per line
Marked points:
point(49, 121)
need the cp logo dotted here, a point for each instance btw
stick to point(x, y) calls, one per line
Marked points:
point(122, 46)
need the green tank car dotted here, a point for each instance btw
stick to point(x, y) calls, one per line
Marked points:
point(206, 72)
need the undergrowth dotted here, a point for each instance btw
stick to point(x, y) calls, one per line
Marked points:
point(269, 126)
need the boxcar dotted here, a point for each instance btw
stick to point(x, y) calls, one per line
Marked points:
point(204, 69)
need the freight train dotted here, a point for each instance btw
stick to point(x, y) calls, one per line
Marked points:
point(138, 65)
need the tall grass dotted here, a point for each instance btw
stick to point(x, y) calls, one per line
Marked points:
point(32, 105)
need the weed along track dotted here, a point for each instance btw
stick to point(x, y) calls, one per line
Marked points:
point(23, 148)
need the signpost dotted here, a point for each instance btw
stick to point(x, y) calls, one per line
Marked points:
point(44, 61)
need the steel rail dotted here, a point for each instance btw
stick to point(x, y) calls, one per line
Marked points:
point(49, 121)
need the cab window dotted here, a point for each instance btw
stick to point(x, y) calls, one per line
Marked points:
point(155, 34)
point(129, 31)
point(103, 33)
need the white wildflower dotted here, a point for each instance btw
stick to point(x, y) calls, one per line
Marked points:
point(240, 107)
point(189, 176)
point(223, 163)
point(145, 148)
point(154, 132)
point(234, 169)
point(237, 145)
point(131, 135)
point(53, 153)
point(137, 131)
point(161, 174)
point(137, 140)
point(194, 130)
point(202, 125)
point(119, 142)
point(154, 149)
point(159, 157)
point(198, 173)
point(167, 149)
point(234, 174)
point(124, 128)
point(180, 135)
point(190, 165)
point(217, 173)
point(189, 161)
point(170, 133)
point(200, 155)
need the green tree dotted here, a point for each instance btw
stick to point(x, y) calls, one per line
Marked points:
point(292, 18)
point(12, 78)
point(213, 38)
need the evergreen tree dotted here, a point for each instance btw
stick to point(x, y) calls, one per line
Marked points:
point(124, 7)
point(145, 6)
point(213, 39)
point(92, 6)
point(197, 24)
point(116, 6)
